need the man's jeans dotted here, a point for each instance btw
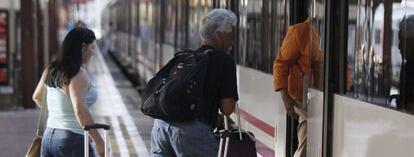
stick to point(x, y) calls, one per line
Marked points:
point(182, 139)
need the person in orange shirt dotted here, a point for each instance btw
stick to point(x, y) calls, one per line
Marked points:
point(299, 59)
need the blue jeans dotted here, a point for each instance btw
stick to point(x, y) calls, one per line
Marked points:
point(183, 139)
point(63, 143)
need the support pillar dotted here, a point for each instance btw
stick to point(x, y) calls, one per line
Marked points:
point(29, 51)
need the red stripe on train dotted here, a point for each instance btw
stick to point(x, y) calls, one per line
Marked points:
point(262, 149)
point(257, 123)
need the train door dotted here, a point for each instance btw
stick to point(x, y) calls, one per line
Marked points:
point(313, 98)
point(297, 12)
point(311, 15)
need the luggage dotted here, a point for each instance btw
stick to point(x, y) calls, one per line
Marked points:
point(86, 137)
point(175, 93)
point(236, 142)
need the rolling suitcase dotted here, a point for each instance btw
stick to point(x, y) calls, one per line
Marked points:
point(86, 136)
point(236, 142)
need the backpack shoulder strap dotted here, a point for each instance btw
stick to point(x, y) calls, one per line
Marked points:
point(205, 52)
point(181, 51)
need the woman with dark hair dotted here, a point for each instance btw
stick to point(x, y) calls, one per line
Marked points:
point(70, 92)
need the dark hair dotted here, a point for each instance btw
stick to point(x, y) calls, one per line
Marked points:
point(69, 59)
point(299, 10)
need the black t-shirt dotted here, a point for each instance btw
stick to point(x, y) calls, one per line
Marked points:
point(221, 82)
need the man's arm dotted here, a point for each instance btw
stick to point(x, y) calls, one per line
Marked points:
point(40, 91)
point(228, 87)
point(288, 55)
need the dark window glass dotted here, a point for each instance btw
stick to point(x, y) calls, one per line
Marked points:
point(318, 20)
point(181, 25)
point(147, 35)
point(199, 9)
point(254, 31)
point(256, 35)
point(379, 66)
point(122, 22)
point(377, 36)
point(134, 19)
point(170, 13)
point(281, 25)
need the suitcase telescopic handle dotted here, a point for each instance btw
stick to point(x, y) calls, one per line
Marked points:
point(96, 126)
point(86, 136)
point(238, 121)
point(226, 133)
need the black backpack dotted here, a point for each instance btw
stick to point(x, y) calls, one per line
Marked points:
point(175, 93)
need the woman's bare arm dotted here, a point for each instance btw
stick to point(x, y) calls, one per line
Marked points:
point(78, 88)
point(39, 92)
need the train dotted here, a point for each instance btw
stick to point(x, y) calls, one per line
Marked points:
point(351, 114)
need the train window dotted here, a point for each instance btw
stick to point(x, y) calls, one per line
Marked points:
point(377, 36)
point(147, 30)
point(381, 71)
point(122, 24)
point(318, 21)
point(198, 9)
point(134, 19)
point(181, 25)
point(281, 24)
point(255, 24)
point(118, 20)
point(170, 13)
point(202, 8)
point(112, 17)
point(146, 12)
point(193, 22)
point(254, 33)
point(158, 20)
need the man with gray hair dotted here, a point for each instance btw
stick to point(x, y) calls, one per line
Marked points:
point(406, 38)
point(195, 138)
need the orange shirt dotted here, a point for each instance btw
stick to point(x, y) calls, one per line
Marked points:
point(300, 51)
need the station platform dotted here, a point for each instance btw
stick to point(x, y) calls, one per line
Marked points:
point(117, 105)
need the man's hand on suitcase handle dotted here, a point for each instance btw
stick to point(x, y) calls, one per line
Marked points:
point(224, 133)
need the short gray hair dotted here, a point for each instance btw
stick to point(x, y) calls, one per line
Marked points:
point(217, 20)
